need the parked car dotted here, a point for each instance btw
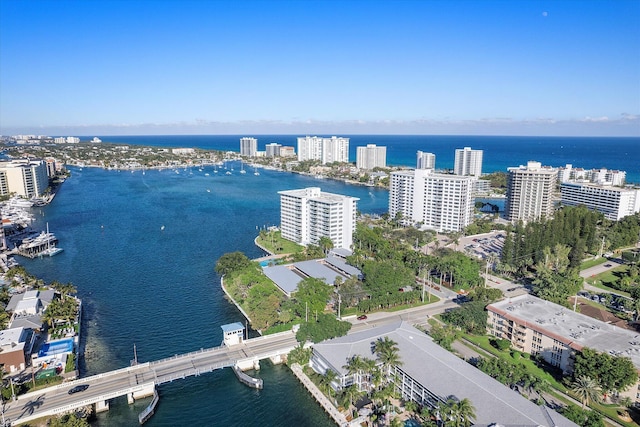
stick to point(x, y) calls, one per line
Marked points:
point(362, 317)
point(78, 388)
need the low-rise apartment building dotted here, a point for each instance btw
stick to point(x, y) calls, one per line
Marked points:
point(556, 333)
point(614, 202)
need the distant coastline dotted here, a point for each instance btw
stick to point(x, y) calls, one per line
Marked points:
point(500, 152)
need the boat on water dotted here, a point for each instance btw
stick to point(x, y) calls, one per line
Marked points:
point(51, 251)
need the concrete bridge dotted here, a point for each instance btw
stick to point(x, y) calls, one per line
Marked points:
point(141, 380)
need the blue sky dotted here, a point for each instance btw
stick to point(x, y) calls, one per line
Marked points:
point(547, 67)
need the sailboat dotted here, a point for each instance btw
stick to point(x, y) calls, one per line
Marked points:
point(255, 171)
point(242, 168)
point(51, 249)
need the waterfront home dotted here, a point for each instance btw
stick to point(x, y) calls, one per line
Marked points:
point(16, 345)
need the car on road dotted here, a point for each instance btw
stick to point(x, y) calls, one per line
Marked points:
point(511, 289)
point(608, 265)
point(362, 317)
point(78, 388)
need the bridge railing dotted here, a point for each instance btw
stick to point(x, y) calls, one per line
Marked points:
point(83, 380)
point(187, 355)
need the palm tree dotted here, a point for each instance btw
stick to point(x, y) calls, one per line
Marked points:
point(326, 244)
point(587, 389)
point(466, 412)
point(325, 381)
point(388, 352)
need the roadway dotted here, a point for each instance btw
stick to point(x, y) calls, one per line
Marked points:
point(117, 383)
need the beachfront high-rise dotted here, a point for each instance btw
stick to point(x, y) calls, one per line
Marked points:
point(530, 192)
point(272, 149)
point(468, 162)
point(308, 214)
point(248, 146)
point(425, 160)
point(25, 177)
point(327, 150)
point(371, 156)
point(438, 201)
point(614, 202)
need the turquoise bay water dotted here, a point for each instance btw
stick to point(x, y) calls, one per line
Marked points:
point(157, 287)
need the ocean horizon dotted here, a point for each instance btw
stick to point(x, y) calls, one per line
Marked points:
point(500, 152)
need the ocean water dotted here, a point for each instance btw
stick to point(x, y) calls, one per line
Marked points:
point(157, 288)
point(500, 152)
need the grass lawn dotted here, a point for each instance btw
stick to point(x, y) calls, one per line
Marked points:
point(529, 365)
point(592, 263)
point(275, 244)
point(405, 306)
point(601, 280)
point(610, 411)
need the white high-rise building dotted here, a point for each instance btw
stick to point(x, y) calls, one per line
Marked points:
point(468, 162)
point(437, 201)
point(26, 178)
point(308, 214)
point(248, 146)
point(530, 192)
point(371, 156)
point(327, 150)
point(598, 176)
point(272, 149)
point(426, 160)
point(614, 202)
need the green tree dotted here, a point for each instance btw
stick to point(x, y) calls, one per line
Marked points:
point(388, 353)
point(587, 390)
point(232, 262)
point(444, 335)
point(471, 317)
point(326, 244)
point(612, 373)
point(312, 294)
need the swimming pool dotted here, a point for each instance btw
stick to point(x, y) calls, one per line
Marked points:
point(56, 347)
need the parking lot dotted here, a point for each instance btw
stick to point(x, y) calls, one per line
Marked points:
point(483, 246)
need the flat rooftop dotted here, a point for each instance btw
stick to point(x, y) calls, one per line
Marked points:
point(576, 329)
point(287, 277)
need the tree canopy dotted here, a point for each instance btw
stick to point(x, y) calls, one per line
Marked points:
point(613, 373)
point(232, 261)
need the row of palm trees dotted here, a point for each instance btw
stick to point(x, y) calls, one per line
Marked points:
point(375, 378)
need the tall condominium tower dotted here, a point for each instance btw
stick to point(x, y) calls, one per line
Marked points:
point(308, 214)
point(248, 146)
point(530, 191)
point(272, 149)
point(468, 162)
point(327, 150)
point(371, 156)
point(25, 177)
point(438, 201)
point(426, 160)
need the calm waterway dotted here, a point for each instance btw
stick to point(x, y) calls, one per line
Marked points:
point(157, 287)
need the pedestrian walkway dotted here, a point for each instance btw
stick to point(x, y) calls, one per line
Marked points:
point(333, 412)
